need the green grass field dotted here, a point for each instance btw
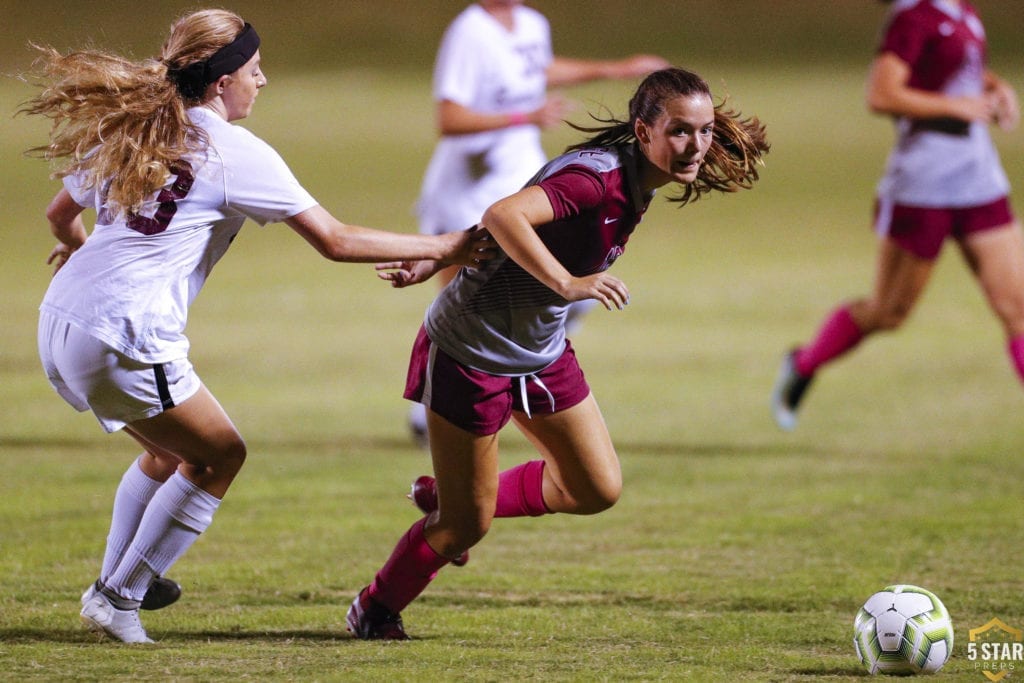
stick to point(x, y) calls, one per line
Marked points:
point(736, 553)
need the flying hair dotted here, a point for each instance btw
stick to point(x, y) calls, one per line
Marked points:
point(738, 144)
point(122, 123)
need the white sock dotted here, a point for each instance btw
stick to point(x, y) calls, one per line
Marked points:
point(179, 512)
point(418, 417)
point(133, 495)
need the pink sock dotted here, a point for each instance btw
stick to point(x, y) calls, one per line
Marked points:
point(407, 573)
point(1016, 351)
point(837, 335)
point(521, 491)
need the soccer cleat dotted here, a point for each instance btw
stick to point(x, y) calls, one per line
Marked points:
point(789, 390)
point(161, 593)
point(424, 496)
point(370, 620)
point(102, 618)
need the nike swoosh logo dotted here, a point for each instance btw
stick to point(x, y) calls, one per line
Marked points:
point(610, 220)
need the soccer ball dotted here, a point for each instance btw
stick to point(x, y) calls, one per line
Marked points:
point(903, 629)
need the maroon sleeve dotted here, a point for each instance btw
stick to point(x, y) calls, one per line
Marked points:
point(572, 190)
point(905, 36)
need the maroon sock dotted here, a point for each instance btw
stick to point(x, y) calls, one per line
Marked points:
point(837, 335)
point(1016, 350)
point(410, 569)
point(521, 491)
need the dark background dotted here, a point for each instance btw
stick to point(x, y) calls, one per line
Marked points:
point(309, 34)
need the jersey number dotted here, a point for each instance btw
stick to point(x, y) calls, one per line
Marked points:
point(167, 199)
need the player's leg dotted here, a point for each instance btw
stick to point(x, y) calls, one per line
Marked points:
point(996, 257)
point(136, 489)
point(900, 277)
point(211, 451)
point(581, 473)
point(465, 477)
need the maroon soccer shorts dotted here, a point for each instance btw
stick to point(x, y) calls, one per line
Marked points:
point(922, 231)
point(482, 403)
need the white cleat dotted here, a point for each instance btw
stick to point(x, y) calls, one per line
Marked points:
point(787, 393)
point(103, 619)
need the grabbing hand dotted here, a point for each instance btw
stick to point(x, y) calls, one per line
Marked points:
point(469, 247)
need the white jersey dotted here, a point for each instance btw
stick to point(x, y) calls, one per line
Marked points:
point(131, 283)
point(483, 66)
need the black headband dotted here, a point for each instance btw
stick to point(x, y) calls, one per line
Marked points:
point(193, 79)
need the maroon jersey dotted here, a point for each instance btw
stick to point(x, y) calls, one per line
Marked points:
point(940, 163)
point(499, 318)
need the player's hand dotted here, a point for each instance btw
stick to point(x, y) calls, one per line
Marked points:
point(1005, 107)
point(59, 256)
point(636, 66)
point(973, 108)
point(469, 247)
point(404, 273)
point(608, 289)
point(555, 110)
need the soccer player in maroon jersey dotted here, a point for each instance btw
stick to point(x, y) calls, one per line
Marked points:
point(943, 179)
point(493, 345)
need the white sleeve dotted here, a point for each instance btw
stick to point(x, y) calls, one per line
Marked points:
point(83, 196)
point(459, 67)
point(259, 184)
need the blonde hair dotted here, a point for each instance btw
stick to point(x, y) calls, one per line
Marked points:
point(121, 121)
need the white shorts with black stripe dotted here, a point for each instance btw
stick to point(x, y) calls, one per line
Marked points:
point(90, 375)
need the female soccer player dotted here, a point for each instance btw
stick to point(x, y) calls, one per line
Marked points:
point(491, 80)
point(151, 148)
point(493, 345)
point(943, 179)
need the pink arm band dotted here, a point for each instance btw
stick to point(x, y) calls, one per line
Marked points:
point(518, 118)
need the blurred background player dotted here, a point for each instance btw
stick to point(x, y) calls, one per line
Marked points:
point(943, 179)
point(491, 80)
point(149, 145)
point(493, 346)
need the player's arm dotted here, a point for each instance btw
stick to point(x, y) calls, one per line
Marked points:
point(339, 241)
point(512, 223)
point(65, 217)
point(565, 71)
point(456, 119)
point(889, 92)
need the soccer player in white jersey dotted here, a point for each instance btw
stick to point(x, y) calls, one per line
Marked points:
point(943, 179)
point(493, 347)
point(153, 151)
point(491, 80)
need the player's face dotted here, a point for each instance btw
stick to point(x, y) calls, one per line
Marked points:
point(241, 87)
point(676, 142)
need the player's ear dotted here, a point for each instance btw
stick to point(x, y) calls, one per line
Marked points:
point(221, 84)
point(642, 132)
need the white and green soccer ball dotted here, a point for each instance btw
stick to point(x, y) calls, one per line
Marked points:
point(903, 629)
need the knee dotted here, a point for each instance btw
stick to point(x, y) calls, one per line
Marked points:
point(887, 320)
point(598, 498)
point(233, 454)
point(457, 534)
point(223, 460)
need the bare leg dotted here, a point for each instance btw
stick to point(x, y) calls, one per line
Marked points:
point(582, 474)
point(996, 257)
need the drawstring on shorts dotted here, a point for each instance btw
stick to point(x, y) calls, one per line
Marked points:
point(522, 393)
